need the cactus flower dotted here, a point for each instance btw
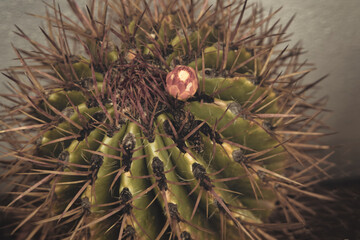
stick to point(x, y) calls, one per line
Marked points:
point(182, 82)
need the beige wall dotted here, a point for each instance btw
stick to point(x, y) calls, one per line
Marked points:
point(330, 31)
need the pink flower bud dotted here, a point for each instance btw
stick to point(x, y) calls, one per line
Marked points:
point(182, 82)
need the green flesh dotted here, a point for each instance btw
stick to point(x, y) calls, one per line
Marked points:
point(151, 219)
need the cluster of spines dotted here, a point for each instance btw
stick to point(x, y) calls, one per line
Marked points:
point(75, 113)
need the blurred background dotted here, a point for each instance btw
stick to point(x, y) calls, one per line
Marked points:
point(328, 30)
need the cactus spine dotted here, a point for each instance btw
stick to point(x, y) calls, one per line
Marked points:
point(175, 120)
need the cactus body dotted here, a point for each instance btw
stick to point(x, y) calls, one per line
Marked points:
point(118, 153)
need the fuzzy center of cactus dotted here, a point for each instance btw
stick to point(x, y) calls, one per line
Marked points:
point(137, 88)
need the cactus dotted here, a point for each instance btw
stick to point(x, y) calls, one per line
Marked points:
point(168, 120)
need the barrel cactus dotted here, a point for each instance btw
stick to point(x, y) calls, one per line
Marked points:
point(160, 120)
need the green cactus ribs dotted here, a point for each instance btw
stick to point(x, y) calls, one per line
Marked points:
point(169, 120)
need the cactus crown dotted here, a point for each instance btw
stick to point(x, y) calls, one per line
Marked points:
point(170, 119)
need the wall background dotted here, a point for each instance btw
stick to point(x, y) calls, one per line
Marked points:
point(328, 30)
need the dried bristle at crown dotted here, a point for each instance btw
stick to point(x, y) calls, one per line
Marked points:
point(160, 120)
